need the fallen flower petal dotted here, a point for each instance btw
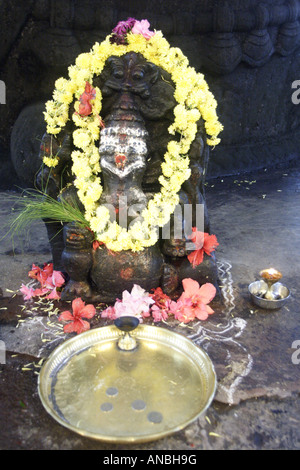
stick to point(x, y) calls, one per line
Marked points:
point(88, 311)
point(35, 270)
point(47, 269)
point(191, 287)
point(65, 316)
point(207, 292)
point(41, 292)
point(58, 279)
point(49, 280)
point(109, 313)
point(77, 305)
point(185, 312)
point(54, 295)
point(135, 303)
point(77, 326)
point(159, 314)
point(28, 292)
point(159, 297)
point(44, 274)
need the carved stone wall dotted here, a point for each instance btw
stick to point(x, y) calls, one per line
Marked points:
point(249, 51)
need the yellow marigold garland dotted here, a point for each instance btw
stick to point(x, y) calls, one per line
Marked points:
point(194, 100)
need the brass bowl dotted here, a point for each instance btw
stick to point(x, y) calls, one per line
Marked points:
point(94, 388)
point(259, 288)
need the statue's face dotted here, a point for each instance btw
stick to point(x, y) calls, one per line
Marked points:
point(122, 149)
point(131, 73)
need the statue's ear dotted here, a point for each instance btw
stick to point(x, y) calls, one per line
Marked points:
point(153, 72)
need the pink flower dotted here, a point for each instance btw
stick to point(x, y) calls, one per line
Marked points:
point(136, 303)
point(49, 279)
point(54, 295)
point(204, 243)
point(76, 323)
point(195, 299)
point(57, 279)
point(109, 313)
point(142, 27)
point(28, 292)
point(159, 314)
point(174, 307)
point(183, 311)
point(40, 292)
point(190, 305)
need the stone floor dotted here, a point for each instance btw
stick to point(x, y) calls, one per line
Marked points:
point(257, 221)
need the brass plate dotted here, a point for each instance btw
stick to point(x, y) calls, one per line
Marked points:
point(93, 388)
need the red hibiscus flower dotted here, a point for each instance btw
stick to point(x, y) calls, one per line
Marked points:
point(204, 243)
point(85, 107)
point(76, 323)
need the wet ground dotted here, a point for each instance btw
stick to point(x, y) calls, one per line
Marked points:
point(255, 351)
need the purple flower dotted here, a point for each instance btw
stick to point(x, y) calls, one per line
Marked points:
point(124, 26)
point(120, 31)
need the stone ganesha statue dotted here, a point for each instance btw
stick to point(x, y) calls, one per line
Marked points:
point(137, 109)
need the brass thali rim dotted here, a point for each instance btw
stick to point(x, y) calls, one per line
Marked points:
point(111, 332)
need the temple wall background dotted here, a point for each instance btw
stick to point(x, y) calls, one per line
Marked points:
point(249, 52)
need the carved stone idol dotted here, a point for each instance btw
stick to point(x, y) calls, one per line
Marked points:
point(137, 110)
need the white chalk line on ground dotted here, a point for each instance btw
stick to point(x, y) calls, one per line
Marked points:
point(226, 333)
